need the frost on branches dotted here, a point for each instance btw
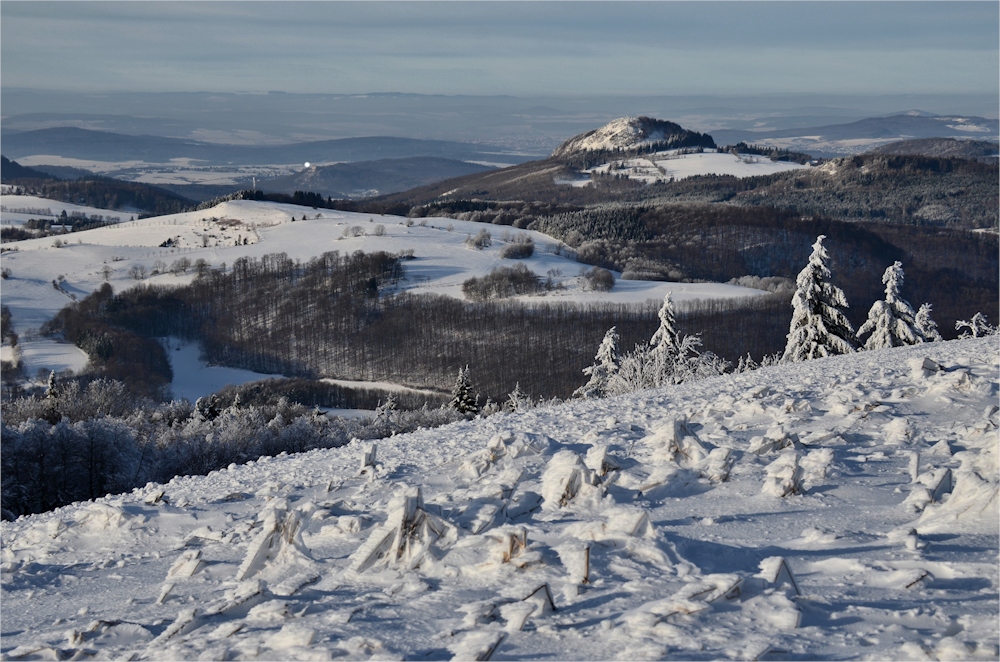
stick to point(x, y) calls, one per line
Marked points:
point(819, 327)
point(605, 366)
point(668, 358)
point(892, 322)
point(977, 327)
point(927, 326)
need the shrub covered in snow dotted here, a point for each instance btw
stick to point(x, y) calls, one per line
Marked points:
point(521, 247)
point(501, 283)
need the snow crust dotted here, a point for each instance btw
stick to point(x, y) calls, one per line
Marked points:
point(637, 527)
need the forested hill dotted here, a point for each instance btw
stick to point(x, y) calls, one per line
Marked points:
point(100, 192)
point(901, 189)
point(11, 170)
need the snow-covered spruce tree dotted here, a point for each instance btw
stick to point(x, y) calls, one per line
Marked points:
point(51, 411)
point(462, 400)
point(819, 327)
point(891, 322)
point(666, 340)
point(927, 326)
point(605, 365)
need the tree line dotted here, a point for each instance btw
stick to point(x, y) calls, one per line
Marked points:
point(338, 316)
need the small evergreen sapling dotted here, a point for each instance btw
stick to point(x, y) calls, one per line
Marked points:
point(462, 400)
point(892, 322)
point(927, 326)
point(819, 326)
point(606, 364)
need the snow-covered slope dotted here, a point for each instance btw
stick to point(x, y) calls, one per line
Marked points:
point(649, 526)
point(675, 165)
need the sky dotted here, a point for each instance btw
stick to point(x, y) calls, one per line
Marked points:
point(513, 48)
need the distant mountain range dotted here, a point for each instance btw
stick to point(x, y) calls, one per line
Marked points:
point(368, 178)
point(976, 150)
point(71, 142)
point(863, 135)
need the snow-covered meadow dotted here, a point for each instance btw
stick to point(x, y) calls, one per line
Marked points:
point(836, 508)
point(675, 164)
point(48, 273)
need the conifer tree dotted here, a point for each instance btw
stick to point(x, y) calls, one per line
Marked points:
point(666, 340)
point(891, 322)
point(606, 364)
point(462, 400)
point(927, 326)
point(819, 327)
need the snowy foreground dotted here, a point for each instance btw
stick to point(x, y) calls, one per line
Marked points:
point(640, 527)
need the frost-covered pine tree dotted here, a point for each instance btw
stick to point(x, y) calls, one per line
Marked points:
point(462, 400)
point(927, 326)
point(819, 327)
point(666, 340)
point(891, 322)
point(605, 365)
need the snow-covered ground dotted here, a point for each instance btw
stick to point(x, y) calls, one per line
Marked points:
point(648, 526)
point(193, 378)
point(34, 292)
point(665, 166)
point(177, 171)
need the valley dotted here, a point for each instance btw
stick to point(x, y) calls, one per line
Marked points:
point(233, 429)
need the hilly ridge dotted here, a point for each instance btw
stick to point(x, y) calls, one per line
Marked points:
point(105, 146)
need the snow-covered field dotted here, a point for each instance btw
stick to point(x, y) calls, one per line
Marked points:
point(648, 526)
point(665, 166)
point(194, 379)
point(442, 262)
point(177, 171)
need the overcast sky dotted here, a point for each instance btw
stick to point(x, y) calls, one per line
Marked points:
point(516, 48)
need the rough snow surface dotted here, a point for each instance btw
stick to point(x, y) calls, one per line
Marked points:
point(647, 526)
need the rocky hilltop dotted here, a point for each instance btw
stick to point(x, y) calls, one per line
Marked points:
point(634, 133)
